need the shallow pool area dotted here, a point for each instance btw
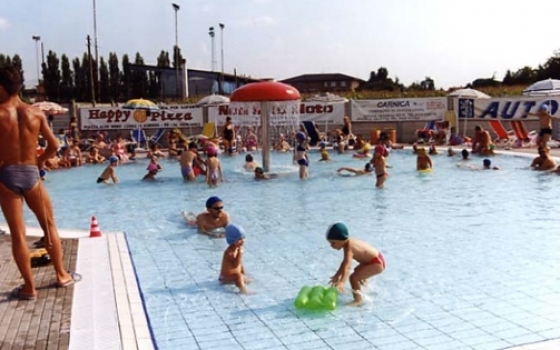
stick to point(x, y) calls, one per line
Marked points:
point(472, 256)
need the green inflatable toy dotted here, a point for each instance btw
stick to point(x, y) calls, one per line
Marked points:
point(316, 298)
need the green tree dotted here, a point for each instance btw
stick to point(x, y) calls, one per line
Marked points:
point(80, 80)
point(104, 81)
point(51, 76)
point(125, 77)
point(163, 59)
point(66, 83)
point(139, 79)
point(114, 78)
point(18, 64)
point(177, 57)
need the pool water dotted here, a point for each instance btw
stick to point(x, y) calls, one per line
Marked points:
point(472, 256)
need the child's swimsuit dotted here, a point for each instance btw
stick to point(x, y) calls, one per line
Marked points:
point(378, 260)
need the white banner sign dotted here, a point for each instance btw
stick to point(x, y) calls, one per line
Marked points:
point(115, 118)
point(505, 108)
point(398, 110)
point(249, 113)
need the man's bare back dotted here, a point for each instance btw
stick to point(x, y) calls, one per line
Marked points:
point(20, 127)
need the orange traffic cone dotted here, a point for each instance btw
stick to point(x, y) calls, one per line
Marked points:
point(94, 230)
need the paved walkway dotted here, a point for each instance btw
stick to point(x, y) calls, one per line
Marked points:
point(40, 324)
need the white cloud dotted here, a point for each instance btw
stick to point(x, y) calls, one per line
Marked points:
point(4, 23)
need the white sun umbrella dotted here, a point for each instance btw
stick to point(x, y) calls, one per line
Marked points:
point(468, 93)
point(213, 100)
point(543, 88)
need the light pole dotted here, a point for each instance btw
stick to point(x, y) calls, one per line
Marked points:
point(37, 38)
point(211, 33)
point(176, 8)
point(222, 26)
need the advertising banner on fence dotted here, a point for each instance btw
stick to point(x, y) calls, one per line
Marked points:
point(399, 110)
point(250, 114)
point(505, 108)
point(115, 118)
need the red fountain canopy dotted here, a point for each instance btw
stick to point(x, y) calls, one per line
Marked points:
point(265, 91)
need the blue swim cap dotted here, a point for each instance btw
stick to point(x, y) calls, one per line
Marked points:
point(212, 200)
point(113, 159)
point(234, 233)
point(544, 107)
point(337, 232)
point(322, 144)
point(300, 135)
point(42, 173)
point(486, 162)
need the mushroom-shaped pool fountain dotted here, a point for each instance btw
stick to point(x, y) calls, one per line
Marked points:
point(278, 104)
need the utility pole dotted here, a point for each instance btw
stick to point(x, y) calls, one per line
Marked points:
point(96, 48)
point(177, 63)
point(92, 87)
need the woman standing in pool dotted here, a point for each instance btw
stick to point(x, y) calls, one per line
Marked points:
point(228, 134)
point(300, 155)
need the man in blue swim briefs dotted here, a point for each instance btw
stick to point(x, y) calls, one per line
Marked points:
point(20, 127)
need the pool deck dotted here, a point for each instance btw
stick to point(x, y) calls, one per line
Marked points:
point(105, 309)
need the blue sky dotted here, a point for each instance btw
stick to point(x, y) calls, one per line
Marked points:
point(453, 42)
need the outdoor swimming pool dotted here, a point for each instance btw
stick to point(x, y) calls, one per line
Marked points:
point(472, 256)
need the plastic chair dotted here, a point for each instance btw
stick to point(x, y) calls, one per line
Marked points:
point(156, 137)
point(139, 136)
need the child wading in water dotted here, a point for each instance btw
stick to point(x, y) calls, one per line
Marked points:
point(370, 261)
point(232, 263)
point(380, 166)
point(214, 171)
point(153, 168)
point(109, 172)
point(300, 155)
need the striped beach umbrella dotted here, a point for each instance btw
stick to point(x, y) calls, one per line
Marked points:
point(140, 103)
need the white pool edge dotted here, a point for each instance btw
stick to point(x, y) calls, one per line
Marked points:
point(107, 308)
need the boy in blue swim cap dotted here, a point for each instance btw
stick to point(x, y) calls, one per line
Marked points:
point(233, 270)
point(370, 261)
point(109, 172)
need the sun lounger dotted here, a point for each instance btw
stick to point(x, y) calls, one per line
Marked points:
point(523, 138)
point(425, 134)
point(504, 138)
point(311, 130)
